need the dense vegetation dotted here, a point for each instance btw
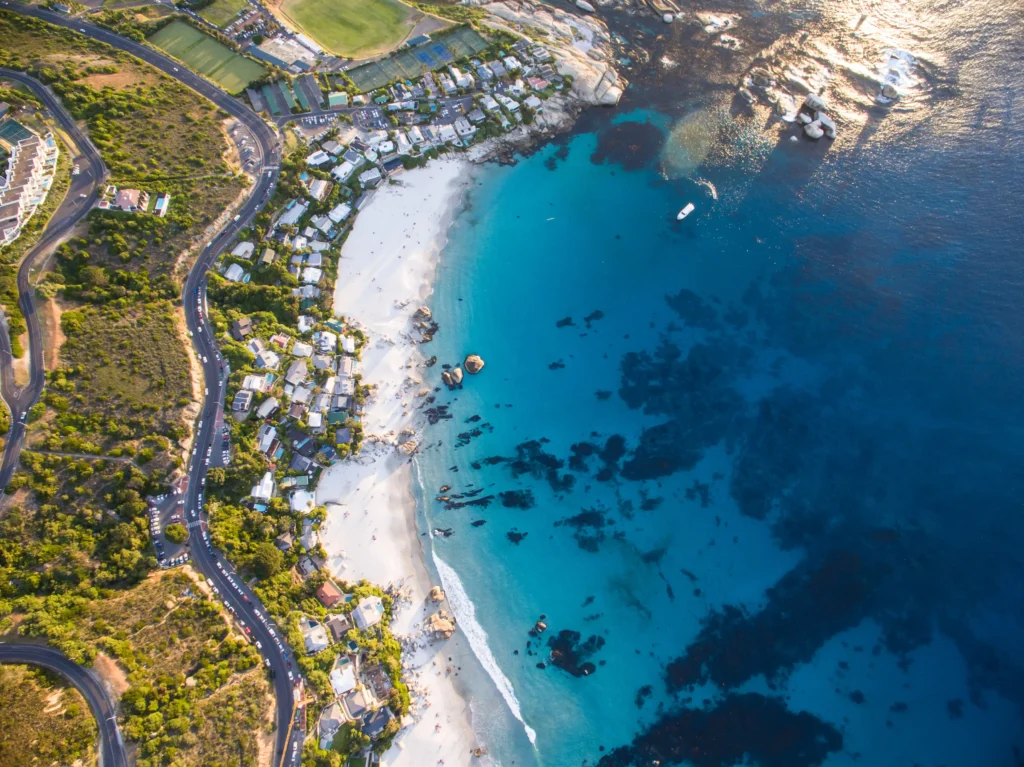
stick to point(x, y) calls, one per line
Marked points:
point(177, 650)
point(42, 721)
point(76, 560)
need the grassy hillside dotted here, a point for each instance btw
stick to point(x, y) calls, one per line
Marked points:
point(42, 721)
point(76, 561)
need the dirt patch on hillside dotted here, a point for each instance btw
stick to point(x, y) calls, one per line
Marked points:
point(22, 373)
point(53, 337)
point(230, 155)
point(116, 80)
point(111, 674)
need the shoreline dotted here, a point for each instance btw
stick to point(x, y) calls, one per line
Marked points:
point(385, 273)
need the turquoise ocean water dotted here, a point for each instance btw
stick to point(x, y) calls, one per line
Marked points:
point(759, 470)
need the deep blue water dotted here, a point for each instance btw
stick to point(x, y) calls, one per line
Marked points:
point(765, 463)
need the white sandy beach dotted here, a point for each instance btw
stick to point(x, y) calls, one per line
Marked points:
point(385, 273)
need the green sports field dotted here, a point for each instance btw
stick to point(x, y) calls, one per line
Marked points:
point(354, 28)
point(207, 56)
point(222, 12)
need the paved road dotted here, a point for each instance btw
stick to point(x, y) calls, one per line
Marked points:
point(112, 753)
point(82, 195)
point(276, 656)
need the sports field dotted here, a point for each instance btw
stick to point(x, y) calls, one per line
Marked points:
point(222, 12)
point(443, 48)
point(207, 56)
point(353, 28)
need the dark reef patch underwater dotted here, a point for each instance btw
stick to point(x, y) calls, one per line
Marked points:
point(774, 483)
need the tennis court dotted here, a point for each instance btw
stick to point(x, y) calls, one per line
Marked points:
point(411, 63)
point(205, 55)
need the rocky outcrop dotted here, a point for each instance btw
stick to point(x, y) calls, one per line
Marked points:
point(457, 376)
point(422, 314)
point(826, 123)
point(473, 364)
point(583, 5)
point(436, 594)
point(440, 625)
point(815, 103)
point(814, 130)
point(407, 448)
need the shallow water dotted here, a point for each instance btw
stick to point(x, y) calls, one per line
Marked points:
point(766, 461)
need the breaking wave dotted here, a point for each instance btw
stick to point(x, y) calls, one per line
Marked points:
point(465, 612)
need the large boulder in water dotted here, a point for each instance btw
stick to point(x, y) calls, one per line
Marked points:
point(814, 130)
point(473, 364)
point(423, 313)
point(457, 376)
point(583, 5)
point(447, 378)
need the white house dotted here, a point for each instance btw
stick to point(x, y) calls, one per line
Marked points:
point(234, 273)
point(464, 127)
point(292, 215)
point(311, 275)
point(368, 177)
point(306, 323)
point(339, 213)
point(265, 437)
point(318, 158)
point(314, 636)
point(343, 171)
point(302, 349)
point(264, 491)
point(267, 407)
point(368, 612)
point(268, 359)
point(447, 134)
point(343, 676)
point(243, 250)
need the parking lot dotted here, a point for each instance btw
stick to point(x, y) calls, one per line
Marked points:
point(244, 144)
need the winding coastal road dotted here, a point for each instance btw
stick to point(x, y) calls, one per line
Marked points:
point(112, 751)
point(235, 594)
point(82, 195)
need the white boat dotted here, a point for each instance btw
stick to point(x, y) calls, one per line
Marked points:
point(685, 211)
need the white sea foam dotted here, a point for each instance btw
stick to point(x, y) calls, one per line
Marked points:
point(712, 190)
point(465, 614)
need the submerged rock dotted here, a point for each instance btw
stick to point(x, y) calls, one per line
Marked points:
point(473, 364)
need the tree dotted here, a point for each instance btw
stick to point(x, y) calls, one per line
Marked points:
point(176, 533)
point(266, 561)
